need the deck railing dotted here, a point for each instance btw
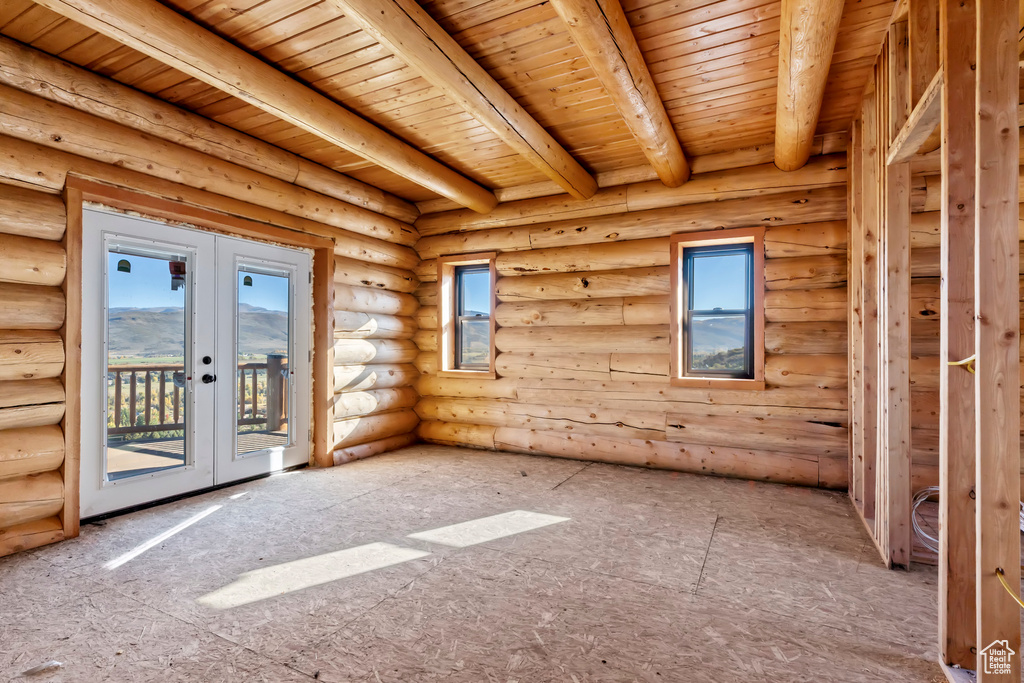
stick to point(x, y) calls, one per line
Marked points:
point(161, 406)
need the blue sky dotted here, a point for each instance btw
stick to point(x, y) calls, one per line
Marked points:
point(721, 282)
point(148, 285)
point(478, 291)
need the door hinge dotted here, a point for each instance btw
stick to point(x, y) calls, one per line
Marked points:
point(310, 274)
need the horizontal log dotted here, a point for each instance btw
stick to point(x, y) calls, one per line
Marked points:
point(599, 422)
point(426, 340)
point(586, 257)
point(30, 354)
point(360, 325)
point(37, 72)
point(924, 229)
point(426, 294)
point(360, 403)
point(455, 434)
point(30, 498)
point(359, 430)
point(824, 372)
point(646, 310)
point(30, 261)
point(371, 448)
point(372, 250)
point(31, 416)
point(925, 263)
point(600, 285)
point(811, 239)
point(805, 338)
point(561, 312)
point(805, 272)
point(767, 432)
point(791, 208)
point(40, 167)
point(706, 188)
point(30, 450)
point(426, 270)
point(352, 272)
point(925, 298)
point(632, 395)
point(374, 351)
point(635, 339)
point(504, 388)
point(758, 465)
point(426, 318)
point(784, 241)
point(30, 213)
point(30, 535)
point(108, 142)
point(594, 366)
point(27, 392)
point(812, 305)
point(639, 367)
point(367, 377)
point(426, 363)
point(366, 300)
point(27, 307)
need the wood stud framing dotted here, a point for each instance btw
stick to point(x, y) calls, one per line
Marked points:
point(997, 333)
point(957, 613)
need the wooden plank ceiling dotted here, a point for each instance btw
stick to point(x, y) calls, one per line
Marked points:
point(715, 65)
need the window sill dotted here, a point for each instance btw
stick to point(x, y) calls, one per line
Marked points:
point(715, 383)
point(468, 374)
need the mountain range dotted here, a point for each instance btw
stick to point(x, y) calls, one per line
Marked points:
point(159, 331)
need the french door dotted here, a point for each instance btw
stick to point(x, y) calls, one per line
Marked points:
point(195, 360)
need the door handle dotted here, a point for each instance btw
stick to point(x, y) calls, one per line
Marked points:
point(208, 379)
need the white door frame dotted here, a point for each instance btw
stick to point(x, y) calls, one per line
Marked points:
point(101, 228)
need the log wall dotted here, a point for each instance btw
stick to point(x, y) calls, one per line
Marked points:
point(32, 267)
point(583, 342)
point(371, 361)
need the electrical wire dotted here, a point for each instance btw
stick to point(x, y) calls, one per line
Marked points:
point(927, 540)
point(1002, 579)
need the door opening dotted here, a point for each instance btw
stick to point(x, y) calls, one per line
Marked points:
point(195, 351)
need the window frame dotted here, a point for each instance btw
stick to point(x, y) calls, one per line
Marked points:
point(448, 306)
point(679, 300)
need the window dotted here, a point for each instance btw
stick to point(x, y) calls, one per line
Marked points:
point(718, 309)
point(466, 315)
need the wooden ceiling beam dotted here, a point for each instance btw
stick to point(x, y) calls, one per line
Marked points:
point(414, 37)
point(806, 41)
point(163, 34)
point(600, 29)
point(41, 74)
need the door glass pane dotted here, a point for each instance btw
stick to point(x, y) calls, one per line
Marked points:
point(263, 379)
point(474, 342)
point(146, 340)
point(719, 281)
point(718, 343)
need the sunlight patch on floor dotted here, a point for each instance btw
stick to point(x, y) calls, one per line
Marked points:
point(281, 579)
point(486, 529)
point(157, 540)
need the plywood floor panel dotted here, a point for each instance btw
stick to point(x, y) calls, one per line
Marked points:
point(655, 576)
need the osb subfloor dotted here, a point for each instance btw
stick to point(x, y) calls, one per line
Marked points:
point(655, 576)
